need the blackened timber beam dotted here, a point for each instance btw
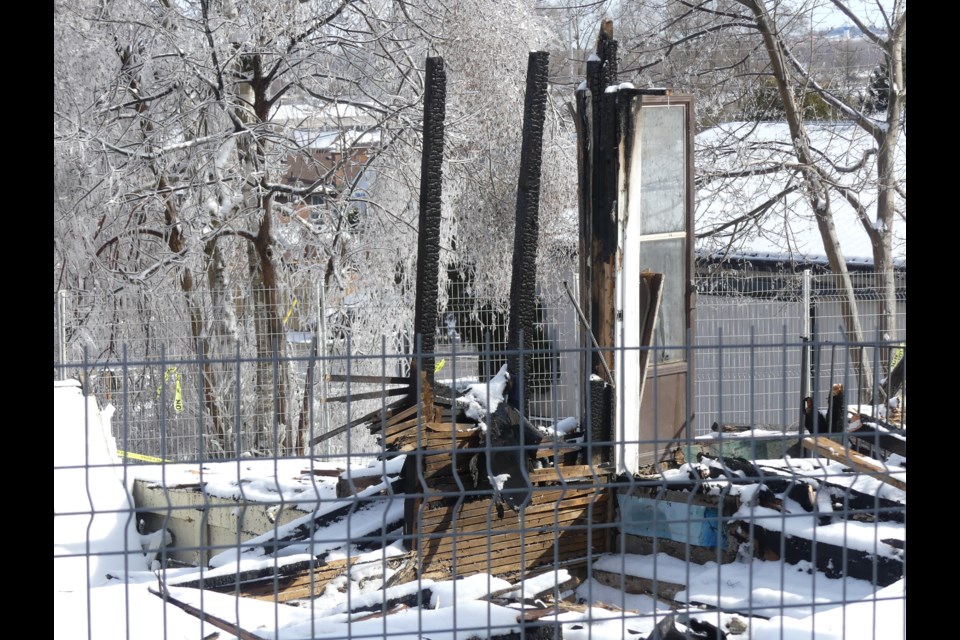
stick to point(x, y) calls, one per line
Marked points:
point(428, 242)
point(598, 181)
point(581, 118)
point(524, 277)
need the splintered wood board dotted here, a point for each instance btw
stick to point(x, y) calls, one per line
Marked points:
point(483, 522)
point(834, 451)
point(481, 509)
point(303, 583)
point(505, 557)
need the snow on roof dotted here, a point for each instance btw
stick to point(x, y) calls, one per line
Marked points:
point(328, 116)
point(788, 230)
point(335, 139)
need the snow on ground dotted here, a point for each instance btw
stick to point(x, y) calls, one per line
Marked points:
point(102, 585)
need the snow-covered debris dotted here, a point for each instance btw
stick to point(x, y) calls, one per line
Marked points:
point(482, 398)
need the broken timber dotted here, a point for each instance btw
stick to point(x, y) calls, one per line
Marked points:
point(453, 517)
point(862, 463)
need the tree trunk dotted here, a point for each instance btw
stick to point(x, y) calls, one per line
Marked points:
point(816, 193)
point(222, 338)
point(177, 244)
point(887, 187)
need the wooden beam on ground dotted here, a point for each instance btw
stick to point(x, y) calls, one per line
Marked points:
point(638, 585)
point(869, 435)
point(219, 623)
point(839, 453)
point(336, 377)
point(364, 419)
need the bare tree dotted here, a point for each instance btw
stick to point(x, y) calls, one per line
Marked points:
point(187, 166)
point(752, 61)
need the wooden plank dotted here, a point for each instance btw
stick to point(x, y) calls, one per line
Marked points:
point(570, 556)
point(474, 504)
point(470, 509)
point(505, 558)
point(567, 473)
point(461, 429)
point(327, 473)
point(336, 377)
point(368, 417)
point(468, 541)
point(437, 467)
point(541, 495)
point(305, 583)
point(434, 437)
point(871, 436)
point(480, 511)
point(834, 451)
point(403, 415)
point(212, 620)
point(366, 395)
point(484, 522)
point(636, 584)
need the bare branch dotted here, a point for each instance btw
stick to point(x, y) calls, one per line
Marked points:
point(845, 10)
point(756, 212)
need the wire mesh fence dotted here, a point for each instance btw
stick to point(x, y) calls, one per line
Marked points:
point(209, 480)
point(443, 517)
point(759, 318)
point(235, 363)
point(250, 358)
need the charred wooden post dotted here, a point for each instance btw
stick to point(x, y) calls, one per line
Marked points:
point(603, 198)
point(428, 241)
point(523, 282)
point(598, 167)
point(509, 432)
point(428, 261)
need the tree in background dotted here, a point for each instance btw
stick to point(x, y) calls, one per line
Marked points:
point(748, 60)
point(173, 139)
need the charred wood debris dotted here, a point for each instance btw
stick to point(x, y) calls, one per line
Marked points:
point(515, 464)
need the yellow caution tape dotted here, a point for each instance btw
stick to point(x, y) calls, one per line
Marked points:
point(178, 389)
point(897, 355)
point(290, 310)
point(439, 365)
point(137, 456)
point(166, 377)
point(178, 397)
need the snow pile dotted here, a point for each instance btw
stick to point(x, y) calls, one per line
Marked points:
point(92, 511)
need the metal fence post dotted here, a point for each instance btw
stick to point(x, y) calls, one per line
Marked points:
point(62, 331)
point(322, 353)
point(805, 336)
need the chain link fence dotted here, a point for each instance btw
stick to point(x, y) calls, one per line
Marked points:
point(175, 365)
point(756, 321)
point(170, 361)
